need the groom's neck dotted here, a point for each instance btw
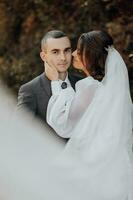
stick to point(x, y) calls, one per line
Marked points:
point(62, 75)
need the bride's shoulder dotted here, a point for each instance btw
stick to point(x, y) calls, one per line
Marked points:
point(88, 81)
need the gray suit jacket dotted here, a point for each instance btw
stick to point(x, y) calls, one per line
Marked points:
point(35, 94)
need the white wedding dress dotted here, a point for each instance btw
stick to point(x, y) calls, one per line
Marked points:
point(96, 163)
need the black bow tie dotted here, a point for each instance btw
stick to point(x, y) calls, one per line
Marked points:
point(64, 85)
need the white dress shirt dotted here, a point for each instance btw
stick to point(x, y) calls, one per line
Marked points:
point(56, 85)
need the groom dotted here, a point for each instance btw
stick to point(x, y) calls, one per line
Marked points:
point(56, 51)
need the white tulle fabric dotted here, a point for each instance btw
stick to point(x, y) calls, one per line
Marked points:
point(97, 162)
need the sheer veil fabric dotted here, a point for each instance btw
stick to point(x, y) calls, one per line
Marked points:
point(98, 159)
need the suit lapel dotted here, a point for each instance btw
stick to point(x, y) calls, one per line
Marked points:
point(46, 84)
point(74, 77)
point(72, 81)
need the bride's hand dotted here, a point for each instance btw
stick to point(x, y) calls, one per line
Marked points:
point(51, 72)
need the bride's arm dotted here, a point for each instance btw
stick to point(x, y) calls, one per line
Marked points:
point(66, 107)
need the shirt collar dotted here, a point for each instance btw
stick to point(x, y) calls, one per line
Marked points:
point(66, 80)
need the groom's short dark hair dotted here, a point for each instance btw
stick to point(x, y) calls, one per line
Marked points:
point(52, 34)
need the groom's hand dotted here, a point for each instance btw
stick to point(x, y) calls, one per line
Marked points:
point(51, 72)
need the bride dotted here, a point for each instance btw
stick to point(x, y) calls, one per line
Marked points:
point(97, 163)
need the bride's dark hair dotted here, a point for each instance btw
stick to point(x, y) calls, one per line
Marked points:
point(92, 50)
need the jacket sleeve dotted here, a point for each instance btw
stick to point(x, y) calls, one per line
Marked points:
point(26, 98)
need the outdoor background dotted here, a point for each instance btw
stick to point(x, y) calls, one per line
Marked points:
point(24, 22)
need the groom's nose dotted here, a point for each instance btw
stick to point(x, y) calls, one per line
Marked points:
point(62, 56)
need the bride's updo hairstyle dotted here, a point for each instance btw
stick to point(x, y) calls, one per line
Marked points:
point(92, 49)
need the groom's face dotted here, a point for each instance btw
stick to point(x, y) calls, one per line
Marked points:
point(57, 53)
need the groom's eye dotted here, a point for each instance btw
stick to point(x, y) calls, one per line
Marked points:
point(55, 51)
point(68, 50)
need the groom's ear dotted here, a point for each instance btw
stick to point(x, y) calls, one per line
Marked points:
point(42, 55)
